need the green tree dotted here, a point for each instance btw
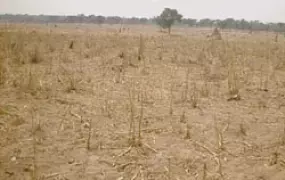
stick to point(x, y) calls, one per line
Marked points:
point(243, 24)
point(100, 19)
point(206, 22)
point(190, 22)
point(281, 27)
point(167, 18)
point(221, 24)
point(230, 23)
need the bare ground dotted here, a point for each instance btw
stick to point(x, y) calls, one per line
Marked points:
point(76, 103)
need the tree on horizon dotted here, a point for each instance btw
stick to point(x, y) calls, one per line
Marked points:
point(167, 18)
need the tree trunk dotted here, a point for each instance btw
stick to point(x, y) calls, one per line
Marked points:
point(169, 29)
point(276, 37)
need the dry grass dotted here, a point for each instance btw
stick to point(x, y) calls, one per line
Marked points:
point(92, 103)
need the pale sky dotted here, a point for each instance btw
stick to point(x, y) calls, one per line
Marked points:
point(263, 10)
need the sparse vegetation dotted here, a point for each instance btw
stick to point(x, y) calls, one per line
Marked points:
point(193, 108)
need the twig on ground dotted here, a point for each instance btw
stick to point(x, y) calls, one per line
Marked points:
point(125, 152)
point(136, 175)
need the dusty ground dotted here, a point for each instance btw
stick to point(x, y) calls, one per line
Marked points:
point(76, 103)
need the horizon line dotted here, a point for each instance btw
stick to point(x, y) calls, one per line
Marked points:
point(128, 17)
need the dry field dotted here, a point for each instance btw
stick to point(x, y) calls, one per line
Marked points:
point(87, 102)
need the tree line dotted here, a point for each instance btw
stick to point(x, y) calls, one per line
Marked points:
point(167, 16)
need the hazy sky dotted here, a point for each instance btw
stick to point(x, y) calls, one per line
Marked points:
point(264, 10)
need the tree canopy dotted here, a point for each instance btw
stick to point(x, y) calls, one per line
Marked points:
point(167, 18)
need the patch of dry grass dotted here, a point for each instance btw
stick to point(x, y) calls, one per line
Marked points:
point(140, 104)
